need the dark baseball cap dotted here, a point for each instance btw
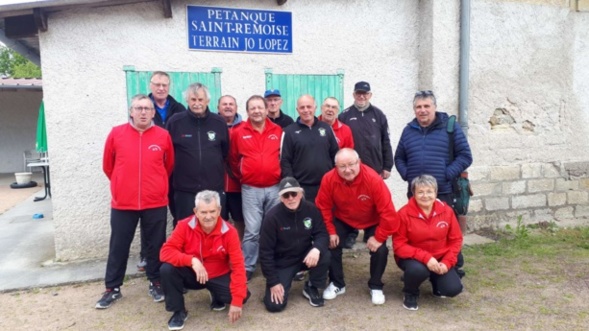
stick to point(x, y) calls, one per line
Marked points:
point(271, 93)
point(362, 86)
point(289, 184)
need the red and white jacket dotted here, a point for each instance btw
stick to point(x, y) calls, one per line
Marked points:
point(343, 134)
point(138, 165)
point(254, 157)
point(421, 237)
point(219, 252)
point(362, 203)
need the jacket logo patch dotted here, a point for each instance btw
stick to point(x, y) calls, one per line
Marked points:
point(220, 249)
point(322, 132)
point(186, 135)
point(442, 224)
point(353, 118)
point(308, 222)
point(246, 137)
point(285, 228)
point(298, 131)
point(374, 120)
point(154, 148)
point(212, 135)
point(272, 137)
point(363, 197)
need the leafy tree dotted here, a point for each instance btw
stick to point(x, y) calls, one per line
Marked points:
point(12, 64)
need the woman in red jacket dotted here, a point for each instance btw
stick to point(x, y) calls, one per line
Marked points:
point(427, 243)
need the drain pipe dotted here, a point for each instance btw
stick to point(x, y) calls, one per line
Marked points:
point(464, 59)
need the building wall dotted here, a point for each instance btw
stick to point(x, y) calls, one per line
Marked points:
point(18, 127)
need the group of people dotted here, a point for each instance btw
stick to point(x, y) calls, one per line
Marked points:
point(297, 192)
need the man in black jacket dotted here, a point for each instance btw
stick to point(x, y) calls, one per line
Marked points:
point(275, 114)
point(293, 238)
point(201, 145)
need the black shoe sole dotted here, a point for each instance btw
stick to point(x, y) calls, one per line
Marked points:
point(311, 301)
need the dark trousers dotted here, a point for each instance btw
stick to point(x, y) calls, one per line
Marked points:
point(123, 224)
point(378, 259)
point(234, 207)
point(176, 279)
point(185, 204)
point(317, 277)
point(310, 192)
point(415, 273)
point(171, 208)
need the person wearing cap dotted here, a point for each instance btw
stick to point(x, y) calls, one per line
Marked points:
point(343, 133)
point(204, 252)
point(275, 114)
point(201, 146)
point(293, 238)
point(254, 158)
point(370, 129)
point(353, 196)
point(429, 128)
point(308, 148)
point(227, 108)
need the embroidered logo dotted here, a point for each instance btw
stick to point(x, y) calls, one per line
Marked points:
point(442, 224)
point(273, 137)
point(285, 228)
point(246, 137)
point(154, 148)
point(363, 197)
point(374, 120)
point(186, 135)
point(353, 118)
point(211, 135)
point(220, 249)
point(322, 132)
point(308, 222)
point(298, 131)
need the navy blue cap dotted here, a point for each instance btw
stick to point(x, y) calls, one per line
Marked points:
point(362, 86)
point(272, 92)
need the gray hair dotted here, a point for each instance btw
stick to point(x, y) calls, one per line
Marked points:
point(346, 150)
point(426, 94)
point(193, 89)
point(424, 180)
point(159, 73)
point(207, 197)
point(139, 97)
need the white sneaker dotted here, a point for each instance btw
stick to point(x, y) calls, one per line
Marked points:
point(377, 297)
point(332, 291)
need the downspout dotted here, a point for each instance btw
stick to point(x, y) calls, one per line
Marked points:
point(464, 59)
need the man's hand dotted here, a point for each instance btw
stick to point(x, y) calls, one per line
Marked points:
point(372, 244)
point(442, 268)
point(385, 174)
point(333, 241)
point(312, 258)
point(201, 273)
point(433, 265)
point(234, 313)
point(277, 294)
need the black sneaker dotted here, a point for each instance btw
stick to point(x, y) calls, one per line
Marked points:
point(108, 298)
point(410, 302)
point(248, 275)
point(156, 292)
point(216, 305)
point(461, 273)
point(176, 322)
point(300, 276)
point(310, 292)
point(141, 265)
point(350, 241)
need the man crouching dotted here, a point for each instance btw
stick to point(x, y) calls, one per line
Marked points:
point(203, 252)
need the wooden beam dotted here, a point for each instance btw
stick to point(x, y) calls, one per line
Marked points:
point(20, 27)
point(40, 19)
point(281, 2)
point(167, 8)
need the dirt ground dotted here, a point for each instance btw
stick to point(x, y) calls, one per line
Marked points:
point(515, 295)
point(9, 197)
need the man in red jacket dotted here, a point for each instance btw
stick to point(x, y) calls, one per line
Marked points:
point(353, 196)
point(138, 159)
point(254, 157)
point(204, 252)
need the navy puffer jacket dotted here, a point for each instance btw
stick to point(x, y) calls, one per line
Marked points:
point(425, 151)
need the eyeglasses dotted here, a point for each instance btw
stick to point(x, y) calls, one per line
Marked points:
point(346, 166)
point(160, 85)
point(288, 195)
point(425, 93)
point(142, 109)
point(425, 193)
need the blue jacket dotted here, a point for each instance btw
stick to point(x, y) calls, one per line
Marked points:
point(425, 151)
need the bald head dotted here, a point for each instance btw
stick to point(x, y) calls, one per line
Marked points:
point(306, 108)
point(347, 163)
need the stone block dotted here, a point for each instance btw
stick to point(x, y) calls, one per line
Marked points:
point(512, 188)
point(501, 203)
point(532, 170)
point(564, 213)
point(484, 189)
point(581, 211)
point(478, 173)
point(584, 183)
point(577, 197)
point(551, 170)
point(510, 172)
point(542, 215)
point(577, 169)
point(567, 185)
point(527, 201)
point(557, 199)
point(475, 205)
point(540, 185)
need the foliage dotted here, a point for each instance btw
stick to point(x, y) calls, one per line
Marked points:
point(12, 64)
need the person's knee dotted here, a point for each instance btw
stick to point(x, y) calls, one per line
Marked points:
point(324, 258)
point(274, 307)
point(166, 269)
point(452, 290)
point(416, 270)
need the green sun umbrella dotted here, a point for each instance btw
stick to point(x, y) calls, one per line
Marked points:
point(41, 144)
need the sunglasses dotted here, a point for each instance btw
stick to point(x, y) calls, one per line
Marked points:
point(289, 195)
point(425, 93)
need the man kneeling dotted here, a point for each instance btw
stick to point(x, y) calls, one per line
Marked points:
point(293, 238)
point(203, 252)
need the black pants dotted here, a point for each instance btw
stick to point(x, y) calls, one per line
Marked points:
point(123, 224)
point(310, 192)
point(378, 259)
point(176, 279)
point(234, 207)
point(317, 277)
point(185, 204)
point(448, 285)
point(171, 208)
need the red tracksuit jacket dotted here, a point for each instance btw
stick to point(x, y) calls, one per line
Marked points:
point(420, 237)
point(343, 134)
point(219, 251)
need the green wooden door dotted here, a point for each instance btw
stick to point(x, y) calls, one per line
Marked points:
point(138, 82)
point(293, 86)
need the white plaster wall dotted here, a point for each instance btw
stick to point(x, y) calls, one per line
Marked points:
point(581, 64)
point(525, 59)
point(18, 127)
point(84, 52)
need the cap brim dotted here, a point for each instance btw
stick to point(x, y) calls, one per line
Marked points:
point(290, 189)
